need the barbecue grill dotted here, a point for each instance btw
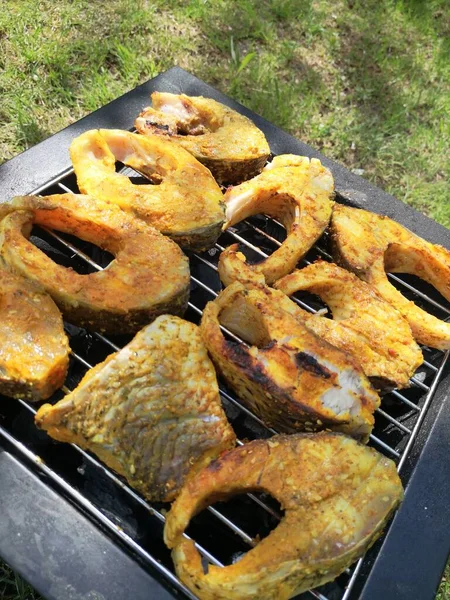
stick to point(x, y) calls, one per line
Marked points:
point(74, 529)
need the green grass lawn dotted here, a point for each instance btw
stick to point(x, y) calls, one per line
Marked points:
point(367, 83)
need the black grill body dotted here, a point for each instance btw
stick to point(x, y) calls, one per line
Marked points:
point(75, 530)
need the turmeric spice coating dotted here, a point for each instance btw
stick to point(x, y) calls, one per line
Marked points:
point(149, 275)
point(337, 496)
point(226, 142)
point(371, 245)
point(151, 411)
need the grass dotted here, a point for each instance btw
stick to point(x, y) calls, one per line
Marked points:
point(13, 587)
point(367, 82)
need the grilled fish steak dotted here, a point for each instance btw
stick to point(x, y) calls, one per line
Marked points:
point(151, 411)
point(288, 376)
point(371, 245)
point(34, 350)
point(187, 205)
point(363, 324)
point(228, 143)
point(148, 277)
point(295, 190)
point(337, 496)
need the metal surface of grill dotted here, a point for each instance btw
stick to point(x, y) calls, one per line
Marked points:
point(118, 508)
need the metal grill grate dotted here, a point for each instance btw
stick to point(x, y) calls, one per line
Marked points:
point(123, 512)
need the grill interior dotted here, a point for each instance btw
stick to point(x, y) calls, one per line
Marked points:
point(227, 530)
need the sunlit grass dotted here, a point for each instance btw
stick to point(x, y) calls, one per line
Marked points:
point(365, 82)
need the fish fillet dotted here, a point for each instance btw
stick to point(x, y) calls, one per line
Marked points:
point(151, 411)
point(34, 350)
point(287, 375)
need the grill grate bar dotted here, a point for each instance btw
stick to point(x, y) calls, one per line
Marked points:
point(419, 293)
point(430, 366)
point(383, 445)
point(108, 342)
point(425, 406)
point(206, 262)
point(95, 512)
point(239, 238)
point(55, 180)
point(247, 539)
point(71, 247)
point(406, 400)
point(65, 188)
point(80, 359)
point(263, 233)
point(419, 384)
point(393, 421)
point(204, 286)
point(155, 513)
point(352, 580)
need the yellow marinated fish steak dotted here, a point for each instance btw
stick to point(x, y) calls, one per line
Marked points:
point(363, 324)
point(185, 203)
point(288, 376)
point(226, 142)
point(295, 190)
point(337, 496)
point(151, 411)
point(371, 246)
point(149, 275)
point(34, 350)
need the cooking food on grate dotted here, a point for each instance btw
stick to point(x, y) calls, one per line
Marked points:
point(288, 376)
point(151, 411)
point(363, 324)
point(371, 245)
point(293, 189)
point(228, 143)
point(337, 496)
point(149, 275)
point(187, 203)
point(34, 350)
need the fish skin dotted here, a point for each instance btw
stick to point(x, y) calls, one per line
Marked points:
point(227, 143)
point(151, 411)
point(363, 324)
point(372, 245)
point(337, 496)
point(288, 376)
point(34, 350)
point(186, 204)
point(148, 277)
